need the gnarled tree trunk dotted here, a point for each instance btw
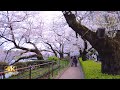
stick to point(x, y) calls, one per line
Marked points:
point(35, 50)
point(108, 48)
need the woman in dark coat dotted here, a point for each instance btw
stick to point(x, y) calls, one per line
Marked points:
point(75, 61)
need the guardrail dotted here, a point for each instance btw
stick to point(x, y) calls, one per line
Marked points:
point(40, 71)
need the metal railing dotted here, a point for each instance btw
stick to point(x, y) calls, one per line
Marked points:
point(40, 71)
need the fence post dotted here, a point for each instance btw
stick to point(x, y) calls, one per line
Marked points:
point(48, 70)
point(30, 72)
point(59, 65)
point(52, 68)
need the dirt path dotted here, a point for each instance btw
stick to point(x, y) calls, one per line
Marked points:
point(73, 73)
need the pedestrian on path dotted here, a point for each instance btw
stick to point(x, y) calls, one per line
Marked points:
point(71, 61)
point(75, 61)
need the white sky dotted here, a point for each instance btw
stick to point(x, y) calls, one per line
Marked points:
point(49, 15)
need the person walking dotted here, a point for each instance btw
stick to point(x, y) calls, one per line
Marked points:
point(71, 61)
point(75, 61)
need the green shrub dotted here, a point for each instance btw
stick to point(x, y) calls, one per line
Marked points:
point(53, 58)
point(2, 65)
point(28, 63)
point(35, 62)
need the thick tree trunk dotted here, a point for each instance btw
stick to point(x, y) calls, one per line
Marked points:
point(61, 55)
point(39, 55)
point(108, 49)
point(84, 58)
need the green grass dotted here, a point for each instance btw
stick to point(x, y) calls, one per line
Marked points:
point(34, 74)
point(92, 70)
point(38, 72)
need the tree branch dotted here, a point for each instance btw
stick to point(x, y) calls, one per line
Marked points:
point(51, 48)
point(78, 28)
point(23, 52)
point(1, 36)
point(24, 57)
point(32, 44)
point(3, 43)
point(23, 48)
point(8, 52)
point(45, 50)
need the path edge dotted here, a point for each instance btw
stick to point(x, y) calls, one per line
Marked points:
point(61, 73)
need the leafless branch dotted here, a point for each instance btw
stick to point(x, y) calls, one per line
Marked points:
point(24, 57)
point(23, 52)
point(1, 36)
point(32, 44)
point(8, 52)
point(3, 43)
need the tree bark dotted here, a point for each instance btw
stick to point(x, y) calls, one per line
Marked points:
point(80, 53)
point(84, 57)
point(61, 55)
point(108, 48)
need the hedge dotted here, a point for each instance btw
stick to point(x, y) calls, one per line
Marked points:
point(53, 58)
point(28, 63)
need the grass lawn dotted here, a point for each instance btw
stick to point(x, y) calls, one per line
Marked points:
point(92, 70)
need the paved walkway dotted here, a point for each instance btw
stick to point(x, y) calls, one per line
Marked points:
point(73, 73)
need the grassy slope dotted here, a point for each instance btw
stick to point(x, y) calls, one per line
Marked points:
point(92, 70)
point(35, 74)
point(39, 72)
